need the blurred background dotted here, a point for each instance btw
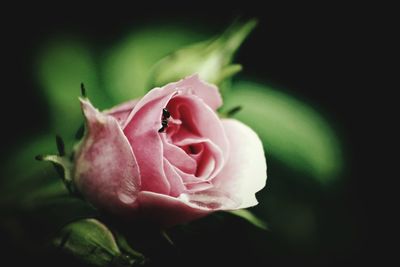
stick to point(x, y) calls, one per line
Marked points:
point(299, 89)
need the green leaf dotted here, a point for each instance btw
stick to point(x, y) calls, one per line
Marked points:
point(291, 131)
point(127, 66)
point(92, 242)
point(250, 217)
point(210, 59)
point(62, 65)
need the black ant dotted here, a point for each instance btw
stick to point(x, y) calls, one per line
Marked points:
point(164, 121)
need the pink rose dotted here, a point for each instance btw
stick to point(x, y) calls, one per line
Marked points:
point(168, 157)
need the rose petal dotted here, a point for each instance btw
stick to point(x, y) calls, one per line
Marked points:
point(166, 210)
point(142, 133)
point(198, 119)
point(211, 160)
point(125, 106)
point(174, 179)
point(122, 111)
point(246, 171)
point(198, 186)
point(193, 183)
point(106, 170)
point(191, 85)
point(212, 199)
point(178, 157)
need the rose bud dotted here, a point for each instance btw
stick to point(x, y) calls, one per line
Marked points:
point(168, 157)
point(93, 243)
point(211, 59)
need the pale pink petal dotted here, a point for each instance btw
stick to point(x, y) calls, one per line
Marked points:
point(122, 111)
point(106, 171)
point(212, 199)
point(197, 119)
point(142, 133)
point(178, 157)
point(166, 210)
point(125, 106)
point(246, 171)
point(188, 178)
point(210, 159)
point(198, 186)
point(193, 183)
point(174, 179)
point(191, 85)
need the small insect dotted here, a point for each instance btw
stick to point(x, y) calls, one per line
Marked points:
point(164, 120)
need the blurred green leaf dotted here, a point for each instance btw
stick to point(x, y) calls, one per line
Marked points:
point(92, 242)
point(291, 131)
point(25, 175)
point(250, 217)
point(54, 211)
point(210, 59)
point(35, 188)
point(127, 67)
point(62, 65)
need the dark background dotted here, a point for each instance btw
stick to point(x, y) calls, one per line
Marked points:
point(317, 53)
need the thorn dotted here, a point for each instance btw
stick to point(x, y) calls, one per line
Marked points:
point(39, 157)
point(83, 90)
point(60, 146)
point(233, 111)
point(79, 133)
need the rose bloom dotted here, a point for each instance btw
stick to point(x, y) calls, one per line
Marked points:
point(168, 157)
